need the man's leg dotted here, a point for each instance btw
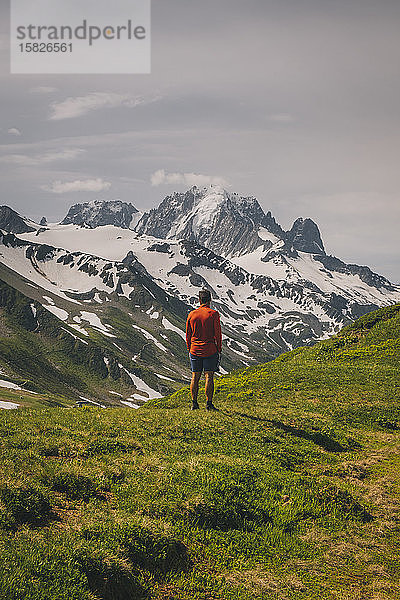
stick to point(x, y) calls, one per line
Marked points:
point(194, 387)
point(209, 388)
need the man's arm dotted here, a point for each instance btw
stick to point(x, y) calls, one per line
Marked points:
point(188, 333)
point(217, 332)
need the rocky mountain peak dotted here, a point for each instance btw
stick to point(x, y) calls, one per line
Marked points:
point(211, 216)
point(102, 212)
point(12, 221)
point(271, 225)
point(305, 236)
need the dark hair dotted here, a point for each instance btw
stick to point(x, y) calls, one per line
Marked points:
point(204, 296)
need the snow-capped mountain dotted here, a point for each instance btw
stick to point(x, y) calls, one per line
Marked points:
point(228, 224)
point(275, 274)
point(101, 212)
point(275, 289)
point(223, 222)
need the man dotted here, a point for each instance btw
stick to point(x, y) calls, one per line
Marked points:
point(204, 342)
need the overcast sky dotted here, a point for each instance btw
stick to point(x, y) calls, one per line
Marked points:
point(295, 102)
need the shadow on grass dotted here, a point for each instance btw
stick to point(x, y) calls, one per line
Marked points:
point(24, 506)
point(320, 439)
point(155, 553)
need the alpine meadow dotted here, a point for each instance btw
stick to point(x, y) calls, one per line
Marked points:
point(289, 491)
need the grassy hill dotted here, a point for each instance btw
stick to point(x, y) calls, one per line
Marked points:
point(289, 492)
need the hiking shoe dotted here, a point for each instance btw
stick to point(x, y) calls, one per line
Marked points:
point(210, 406)
point(195, 406)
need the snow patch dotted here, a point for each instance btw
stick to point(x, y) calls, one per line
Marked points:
point(142, 387)
point(92, 401)
point(168, 325)
point(80, 329)
point(96, 323)
point(75, 336)
point(9, 384)
point(130, 404)
point(58, 312)
point(148, 336)
point(8, 405)
point(164, 377)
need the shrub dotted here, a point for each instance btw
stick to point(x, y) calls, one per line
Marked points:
point(145, 549)
point(25, 505)
point(232, 500)
point(334, 500)
point(48, 451)
point(75, 487)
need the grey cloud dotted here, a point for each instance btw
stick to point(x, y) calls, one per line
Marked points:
point(79, 185)
point(161, 177)
point(73, 107)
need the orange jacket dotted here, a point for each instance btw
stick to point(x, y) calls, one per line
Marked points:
point(203, 332)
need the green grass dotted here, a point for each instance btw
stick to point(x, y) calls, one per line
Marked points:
point(289, 492)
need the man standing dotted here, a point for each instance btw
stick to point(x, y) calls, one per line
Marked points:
point(204, 342)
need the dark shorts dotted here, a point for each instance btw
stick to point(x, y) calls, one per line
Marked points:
point(199, 363)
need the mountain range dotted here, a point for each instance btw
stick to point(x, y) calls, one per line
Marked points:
point(122, 282)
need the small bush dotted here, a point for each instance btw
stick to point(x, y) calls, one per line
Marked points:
point(387, 424)
point(156, 553)
point(48, 451)
point(232, 500)
point(75, 487)
point(25, 505)
point(333, 499)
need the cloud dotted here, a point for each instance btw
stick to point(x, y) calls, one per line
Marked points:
point(79, 185)
point(14, 131)
point(48, 157)
point(282, 118)
point(42, 89)
point(80, 105)
point(160, 177)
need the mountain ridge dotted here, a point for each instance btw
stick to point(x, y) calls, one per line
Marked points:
point(96, 213)
point(208, 214)
point(278, 292)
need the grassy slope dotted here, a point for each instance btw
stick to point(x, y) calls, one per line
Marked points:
point(289, 492)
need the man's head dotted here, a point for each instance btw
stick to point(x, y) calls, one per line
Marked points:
point(204, 297)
